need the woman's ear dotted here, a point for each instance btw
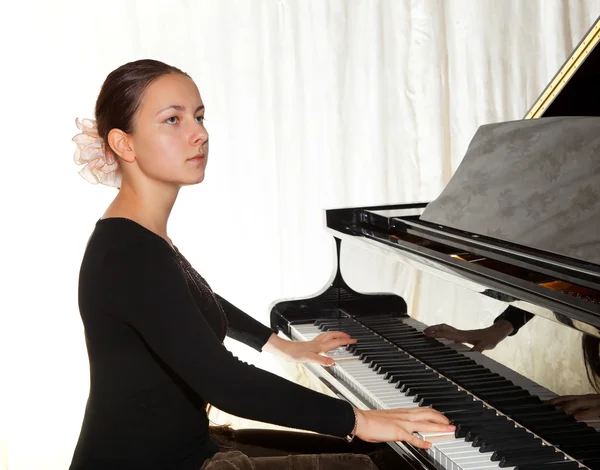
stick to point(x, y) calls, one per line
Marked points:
point(120, 144)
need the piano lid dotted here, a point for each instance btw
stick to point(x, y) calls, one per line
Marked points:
point(574, 90)
point(534, 183)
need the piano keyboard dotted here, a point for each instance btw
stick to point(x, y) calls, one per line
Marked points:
point(501, 420)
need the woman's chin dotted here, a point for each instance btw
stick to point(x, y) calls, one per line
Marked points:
point(197, 179)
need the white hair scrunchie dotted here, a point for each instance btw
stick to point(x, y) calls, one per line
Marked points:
point(99, 166)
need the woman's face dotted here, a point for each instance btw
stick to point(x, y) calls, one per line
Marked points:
point(169, 139)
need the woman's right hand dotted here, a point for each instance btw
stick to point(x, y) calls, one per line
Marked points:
point(399, 424)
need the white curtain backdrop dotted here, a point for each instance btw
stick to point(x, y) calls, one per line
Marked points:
point(311, 104)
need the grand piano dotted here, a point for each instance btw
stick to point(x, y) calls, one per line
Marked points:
point(502, 418)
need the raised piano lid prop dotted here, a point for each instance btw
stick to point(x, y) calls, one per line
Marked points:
point(552, 283)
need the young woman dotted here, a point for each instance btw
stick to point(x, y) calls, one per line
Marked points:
point(154, 328)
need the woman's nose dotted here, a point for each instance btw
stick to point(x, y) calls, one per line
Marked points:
point(199, 136)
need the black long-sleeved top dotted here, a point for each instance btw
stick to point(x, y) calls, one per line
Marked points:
point(516, 317)
point(154, 331)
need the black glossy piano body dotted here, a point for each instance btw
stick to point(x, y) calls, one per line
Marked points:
point(515, 275)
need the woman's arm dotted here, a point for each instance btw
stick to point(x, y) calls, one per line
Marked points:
point(244, 328)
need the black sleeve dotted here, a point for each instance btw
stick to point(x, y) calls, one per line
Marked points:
point(152, 297)
point(244, 328)
point(516, 317)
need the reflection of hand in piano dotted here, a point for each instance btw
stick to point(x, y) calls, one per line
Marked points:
point(481, 339)
point(582, 407)
point(309, 351)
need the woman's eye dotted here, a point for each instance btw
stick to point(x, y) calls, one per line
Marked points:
point(200, 119)
point(170, 120)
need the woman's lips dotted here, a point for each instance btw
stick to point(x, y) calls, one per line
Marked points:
point(197, 158)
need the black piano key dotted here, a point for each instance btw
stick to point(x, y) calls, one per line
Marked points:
point(412, 339)
point(487, 445)
point(448, 407)
point(514, 393)
point(515, 410)
point(437, 402)
point(458, 416)
point(415, 375)
point(507, 451)
point(358, 348)
point(439, 363)
point(401, 367)
point(373, 340)
point(375, 355)
point(462, 429)
point(556, 435)
point(383, 359)
point(535, 448)
point(482, 418)
point(399, 330)
point(540, 414)
point(549, 466)
point(479, 383)
point(404, 338)
point(487, 387)
point(500, 402)
point(450, 370)
point(406, 383)
point(568, 422)
point(472, 378)
point(594, 464)
point(440, 353)
point(440, 394)
point(405, 375)
point(429, 354)
point(582, 452)
point(483, 380)
point(591, 440)
point(539, 425)
point(347, 327)
point(440, 387)
point(586, 454)
point(391, 354)
point(536, 457)
point(495, 435)
point(443, 361)
point(391, 369)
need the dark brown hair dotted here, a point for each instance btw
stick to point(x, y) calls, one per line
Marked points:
point(122, 92)
point(591, 353)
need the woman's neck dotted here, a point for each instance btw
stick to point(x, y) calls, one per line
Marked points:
point(151, 209)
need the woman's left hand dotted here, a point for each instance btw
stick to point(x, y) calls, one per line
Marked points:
point(582, 407)
point(309, 351)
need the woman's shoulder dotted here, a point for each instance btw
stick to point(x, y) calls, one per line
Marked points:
point(119, 238)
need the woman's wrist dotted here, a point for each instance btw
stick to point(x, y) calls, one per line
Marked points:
point(276, 345)
point(503, 326)
point(359, 421)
